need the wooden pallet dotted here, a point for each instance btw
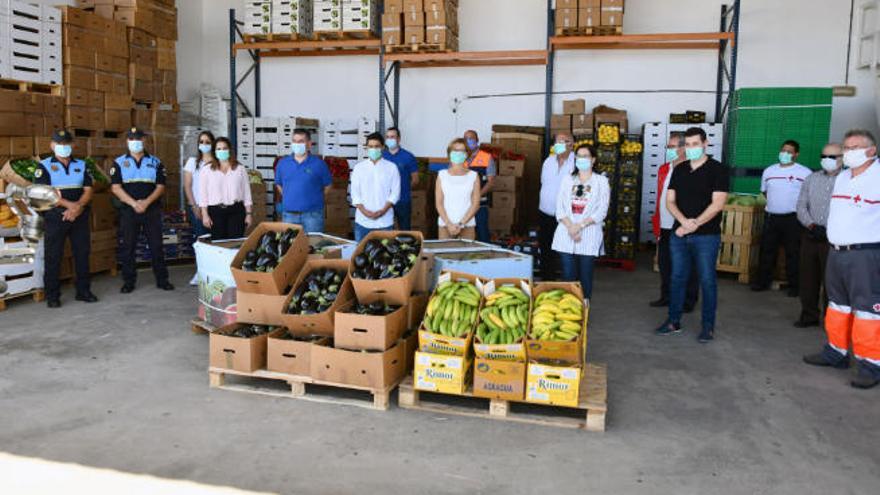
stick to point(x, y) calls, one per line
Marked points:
point(590, 31)
point(301, 387)
point(360, 34)
point(588, 415)
point(740, 241)
point(200, 326)
point(421, 48)
point(31, 87)
point(254, 38)
point(37, 294)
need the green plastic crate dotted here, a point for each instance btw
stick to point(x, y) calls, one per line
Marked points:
point(749, 185)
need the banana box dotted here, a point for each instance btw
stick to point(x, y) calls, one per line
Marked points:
point(505, 352)
point(441, 310)
point(444, 374)
point(554, 385)
point(571, 351)
point(504, 380)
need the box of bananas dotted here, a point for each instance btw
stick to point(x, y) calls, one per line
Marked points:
point(558, 330)
point(322, 287)
point(290, 246)
point(504, 320)
point(452, 314)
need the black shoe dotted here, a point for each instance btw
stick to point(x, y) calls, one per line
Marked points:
point(759, 287)
point(659, 303)
point(864, 381)
point(793, 293)
point(88, 297)
point(53, 303)
point(820, 359)
point(688, 308)
point(706, 335)
point(165, 286)
point(127, 289)
point(806, 323)
point(668, 328)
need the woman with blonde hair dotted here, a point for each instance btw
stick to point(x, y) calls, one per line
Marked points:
point(457, 195)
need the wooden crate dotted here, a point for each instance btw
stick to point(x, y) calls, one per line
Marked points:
point(740, 240)
point(37, 295)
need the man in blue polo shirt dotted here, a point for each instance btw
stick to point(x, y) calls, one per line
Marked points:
point(409, 176)
point(301, 179)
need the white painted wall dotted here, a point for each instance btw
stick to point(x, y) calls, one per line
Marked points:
point(782, 43)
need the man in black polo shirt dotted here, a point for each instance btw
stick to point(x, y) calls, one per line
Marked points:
point(696, 195)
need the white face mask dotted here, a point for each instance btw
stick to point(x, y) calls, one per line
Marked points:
point(829, 164)
point(855, 158)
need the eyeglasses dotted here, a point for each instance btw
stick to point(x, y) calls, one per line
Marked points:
point(835, 157)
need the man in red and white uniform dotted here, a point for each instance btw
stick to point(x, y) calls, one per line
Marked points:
point(852, 279)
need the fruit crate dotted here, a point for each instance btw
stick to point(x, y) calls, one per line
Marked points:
point(607, 154)
point(740, 240)
point(608, 133)
point(630, 165)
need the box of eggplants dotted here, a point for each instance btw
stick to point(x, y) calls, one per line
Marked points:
point(270, 258)
point(289, 353)
point(321, 288)
point(385, 265)
point(239, 346)
point(372, 327)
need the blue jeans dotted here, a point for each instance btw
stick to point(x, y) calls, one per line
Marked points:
point(403, 215)
point(198, 228)
point(360, 231)
point(687, 251)
point(483, 224)
point(312, 221)
point(578, 268)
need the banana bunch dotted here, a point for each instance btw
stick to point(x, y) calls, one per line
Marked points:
point(609, 134)
point(505, 317)
point(557, 316)
point(453, 309)
point(7, 218)
point(631, 148)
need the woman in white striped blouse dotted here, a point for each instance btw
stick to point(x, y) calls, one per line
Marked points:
point(581, 207)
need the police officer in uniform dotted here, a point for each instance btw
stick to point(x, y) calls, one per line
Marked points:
point(138, 181)
point(70, 219)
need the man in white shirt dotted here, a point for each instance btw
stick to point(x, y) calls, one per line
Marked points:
point(781, 184)
point(852, 279)
point(375, 187)
point(556, 166)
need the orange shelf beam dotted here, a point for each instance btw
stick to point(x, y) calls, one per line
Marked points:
point(679, 41)
point(469, 59)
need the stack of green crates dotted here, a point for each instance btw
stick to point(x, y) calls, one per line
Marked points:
point(761, 119)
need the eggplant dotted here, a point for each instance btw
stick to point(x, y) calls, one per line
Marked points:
point(265, 260)
point(393, 248)
point(251, 256)
point(360, 261)
point(405, 239)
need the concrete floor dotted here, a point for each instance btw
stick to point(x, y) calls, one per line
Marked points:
point(122, 384)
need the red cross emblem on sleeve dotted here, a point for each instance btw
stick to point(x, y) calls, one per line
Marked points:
point(857, 199)
point(877, 308)
point(790, 178)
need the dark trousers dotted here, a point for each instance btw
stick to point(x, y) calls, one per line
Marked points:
point(227, 222)
point(482, 218)
point(687, 252)
point(549, 258)
point(131, 224)
point(664, 260)
point(779, 230)
point(579, 268)
point(814, 257)
point(403, 215)
point(57, 231)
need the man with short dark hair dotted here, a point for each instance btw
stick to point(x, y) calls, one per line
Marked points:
point(781, 183)
point(696, 196)
point(301, 179)
point(481, 162)
point(375, 188)
point(409, 176)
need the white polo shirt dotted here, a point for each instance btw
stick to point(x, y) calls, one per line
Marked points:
point(854, 217)
point(551, 177)
point(373, 185)
point(782, 186)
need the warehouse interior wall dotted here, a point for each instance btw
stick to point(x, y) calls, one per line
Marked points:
point(782, 43)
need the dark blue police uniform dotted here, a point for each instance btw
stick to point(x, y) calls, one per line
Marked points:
point(139, 179)
point(71, 180)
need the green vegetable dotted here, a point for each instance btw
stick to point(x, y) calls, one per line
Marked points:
point(25, 168)
point(96, 173)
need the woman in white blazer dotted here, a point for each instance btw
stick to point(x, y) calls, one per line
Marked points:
point(581, 208)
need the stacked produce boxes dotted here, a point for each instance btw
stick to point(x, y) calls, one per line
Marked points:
point(589, 17)
point(506, 194)
point(292, 17)
point(573, 119)
point(30, 42)
point(517, 144)
point(421, 24)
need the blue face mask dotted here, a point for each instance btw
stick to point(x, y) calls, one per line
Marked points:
point(223, 155)
point(785, 157)
point(457, 157)
point(299, 149)
point(374, 153)
point(136, 146)
point(63, 150)
point(473, 144)
point(671, 154)
point(205, 148)
point(391, 143)
point(583, 164)
point(560, 148)
point(694, 153)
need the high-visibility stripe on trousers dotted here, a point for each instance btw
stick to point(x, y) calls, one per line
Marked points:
point(866, 336)
point(852, 281)
point(838, 326)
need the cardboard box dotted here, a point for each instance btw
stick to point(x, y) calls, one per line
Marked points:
point(11, 101)
point(367, 332)
point(440, 35)
point(446, 16)
point(394, 20)
point(607, 4)
point(511, 168)
point(501, 218)
point(290, 356)
point(583, 122)
point(393, 6)
point(588, 18)
point(318, 324)
point(505, 380)
point(612, 17)
point(79, 77)
point(259, 309)
point(589, 4)
point(77, 118)
point(558, 121)
point(412, 6)
point(103, 241)
point(395, 291)
point(20, 146)
point(441, 373)
point(504, 200)
point(607, 115)
point(567, 4)
point(285, 273)
point(439, 343)
point(504, 183)
point(554, 385)
point(504, 352)
point(574, 107)
point(414, 19)
point(103, 213)
point(236, 353)
point(117, 120)
point(79, 56)
point(413, 35)
point(392, 36)
point(566, 18)
point(572, 351)
point(118, 102)
point(376, 370)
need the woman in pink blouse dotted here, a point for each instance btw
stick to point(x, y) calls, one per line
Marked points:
point(225, 194)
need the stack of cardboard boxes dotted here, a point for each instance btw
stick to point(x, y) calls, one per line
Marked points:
point(527, 143)
point(596, 17)
point(421, 22)
point(24, 115)
point(573, 119)
point(30, 42)
point(335, 16)
point(337, 210)
point(506, 194)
